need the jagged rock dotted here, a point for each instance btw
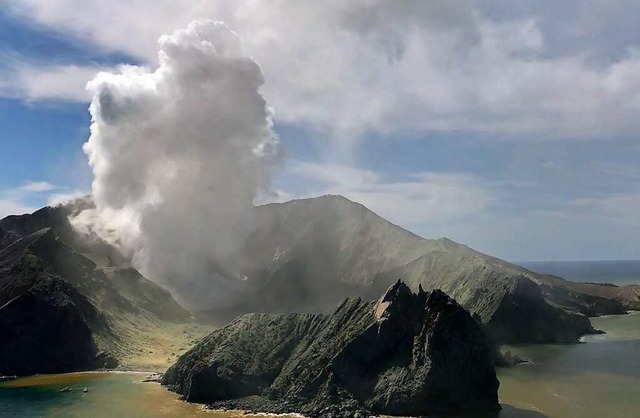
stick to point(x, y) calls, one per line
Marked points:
point(511, 359)
point(104, 360)
point(406, 354)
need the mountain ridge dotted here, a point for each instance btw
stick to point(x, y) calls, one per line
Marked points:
point(406, 354)
point(304, 256)
point(316, 251)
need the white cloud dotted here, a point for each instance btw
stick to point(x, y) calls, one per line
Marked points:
point(620, 171)
point(33, 82)
point(426, 198)
point(387, 66)
point(129, 26)
point(619, 208)
point(343, 68)
point(12, 207)
point(65, 82)
point(14, 201)
point(503, 218)
point(553, 227)
point(37, 186)
point(538, 235)
point(33, 195)
point(64, 197)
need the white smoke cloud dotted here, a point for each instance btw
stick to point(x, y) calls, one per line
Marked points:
point(527, 70)
point(178, 155)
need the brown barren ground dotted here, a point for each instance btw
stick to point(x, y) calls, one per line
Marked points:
point(148, 344)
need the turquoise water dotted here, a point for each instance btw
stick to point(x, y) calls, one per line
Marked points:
point(600, 378)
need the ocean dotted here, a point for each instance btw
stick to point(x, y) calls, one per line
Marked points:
point(599, 378)
point(617, 272)
point(595, 379)
point(120, 395)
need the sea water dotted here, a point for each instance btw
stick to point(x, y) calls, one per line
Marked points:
point(109, 395)
point(598, 378)
point(616, 272)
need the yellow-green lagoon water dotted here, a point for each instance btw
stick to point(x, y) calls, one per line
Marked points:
point(600, 378)
point(110, 395)
point(597, 379)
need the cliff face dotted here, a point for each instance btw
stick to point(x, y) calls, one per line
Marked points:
point(45, 330)
point(61, 311)
point(545, 322)
point(95, 268)
point(592, 299)
point(406, 354)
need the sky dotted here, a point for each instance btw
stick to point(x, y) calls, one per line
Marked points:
point(511, 127)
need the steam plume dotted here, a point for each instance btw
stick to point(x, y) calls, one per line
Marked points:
point(178, 155)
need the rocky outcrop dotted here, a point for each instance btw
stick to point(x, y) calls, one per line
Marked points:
point(592, 299)
point(524, 316)
point(586, 303)
point(62, 311)
point(406, 354)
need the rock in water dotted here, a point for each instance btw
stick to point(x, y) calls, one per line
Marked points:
point(406, 354)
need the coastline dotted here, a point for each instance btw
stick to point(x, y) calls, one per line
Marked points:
point(628, 312)
point(517, 397)
point(63, 378)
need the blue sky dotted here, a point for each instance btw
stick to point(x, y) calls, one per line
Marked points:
point(510, 128)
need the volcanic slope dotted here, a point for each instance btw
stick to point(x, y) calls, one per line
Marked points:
point(309, 254)
point(67, 305)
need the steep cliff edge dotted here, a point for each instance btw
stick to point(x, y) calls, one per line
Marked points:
point(406, 354)
point(60, 311)
point(592, 299)
point(49, 329)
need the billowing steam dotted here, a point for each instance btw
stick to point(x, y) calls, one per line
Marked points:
point(178, 155)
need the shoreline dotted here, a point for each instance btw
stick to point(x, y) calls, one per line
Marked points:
point(140, 370)
point(248, 412)
point(62, 378)
point(628, 312)
point(516, 396)
point(507, 399)
point(74, 379)
point(133, 371)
